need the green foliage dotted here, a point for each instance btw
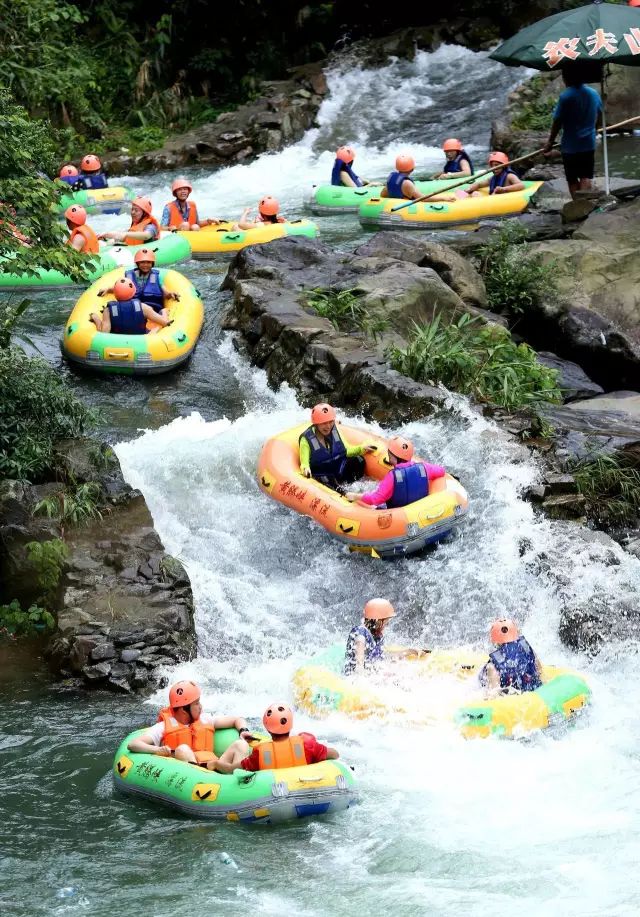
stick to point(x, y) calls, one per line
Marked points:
point(537, 114)
point(14, 622)
point(47, 559)
point(515, 279)
point(611, 487)
point(73, 507)
point(36, 409)
point(477, 359)
point(346, 311)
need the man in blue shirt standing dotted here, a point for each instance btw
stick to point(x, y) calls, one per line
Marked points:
point(577, 114)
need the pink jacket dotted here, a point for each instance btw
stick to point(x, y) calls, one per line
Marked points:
point(384, 490)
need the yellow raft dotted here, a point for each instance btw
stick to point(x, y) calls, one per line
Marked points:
point(222, 238)
point(438, 686)
point(379, 211)
point(135, 354)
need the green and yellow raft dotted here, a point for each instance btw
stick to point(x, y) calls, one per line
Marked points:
point(222, 239)
point(321, 688)
point(325, 200)
point(169, 249)
point(115, 199)
point(267, 796)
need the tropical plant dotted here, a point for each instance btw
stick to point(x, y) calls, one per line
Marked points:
point(346, 311)
point(14, 622)
point(47, 559)
point(515, 278)
point(73, 507)
point(611, 487)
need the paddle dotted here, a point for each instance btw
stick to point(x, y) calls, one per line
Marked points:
point(471, 179)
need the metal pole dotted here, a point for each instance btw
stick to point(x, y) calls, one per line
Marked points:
point(605, 150)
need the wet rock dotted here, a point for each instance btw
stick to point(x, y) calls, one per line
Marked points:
point(96, 673)
point(588, 626)
point(81, 652)
point(558, 483)
point(565, 506)
point(573, 380)
point(606, 424)
point(130, 655)
point(103, 651)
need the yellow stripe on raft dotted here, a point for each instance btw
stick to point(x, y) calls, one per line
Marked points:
point(222, 238)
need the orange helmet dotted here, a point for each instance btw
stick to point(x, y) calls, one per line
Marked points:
point(346, 154)
point(124, 289)
point(144, 203)
point(451, 144)
point(401, 448)
point(178, 183)
point(68, 171)
point(278, 719)
point(379, 610)
point(405, 163)
point(502, 158)
point(182, 693)
point(91, 163)
point(268, 206)
point(634, 3)
point(76, 215)
point(323, 413)
point(504, 631)
point(145, 254)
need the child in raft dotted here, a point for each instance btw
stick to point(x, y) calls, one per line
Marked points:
point(268, 212)
point(503, 181)
point(182, 213)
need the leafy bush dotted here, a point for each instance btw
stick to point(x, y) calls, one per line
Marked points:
point(47, 559)
point(15, 622)
point(345, 311)
point(73, 506)
point(515, 279)
point(611, 487)
point(477, 359)
point(537, 114)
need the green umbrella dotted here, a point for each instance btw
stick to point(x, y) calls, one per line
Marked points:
point(597, 33)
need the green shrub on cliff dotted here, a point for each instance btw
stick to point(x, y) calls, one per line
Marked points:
point(14, 622)
point(514, 278)
point(346, 311)
point(476, 359)
point(611, 487)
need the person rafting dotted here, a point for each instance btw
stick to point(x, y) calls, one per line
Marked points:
point(70, 176)
point(365, 643)
point(512, 665)
point(268, 212)
point(182, 213)
point(126, 314)
point(93, 175)
point(400, 185)
point(325, 455)
point(281, 749)
point(342, 173)
point(82, 237)
point(144, 226)
point(149, 282)
point(457, 160)
point(184, 732)
point(407, 482)
point(503, 181)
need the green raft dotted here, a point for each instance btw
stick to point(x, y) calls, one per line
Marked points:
point(115, 199)
point(327, 199)
point(170, 249)
point(267, 796)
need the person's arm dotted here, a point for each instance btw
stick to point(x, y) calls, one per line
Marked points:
point(151, 315)
point(145, 744)
point(78, 243)
point(346, 179)
point(143, 235)
point(492, 679)
point(332, 753)
point(244, 222)
point(106, 291)
point(305, 457)
point(476, 185)
point(106, 321)
point(556, 127)
point(356, 450)
point(539, 667)
point(465, 167)
point(175, 297)
point(409, 189)
point(115, 236)
point(513, 183)
point(434, 471)
point(165, 219)
point(381, 494)
point(359, 656)
point(231, 722)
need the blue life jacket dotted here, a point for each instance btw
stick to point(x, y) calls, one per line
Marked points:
point(394, 184)
point(497, 181)
point(515, 663)
point(373, 649)
point(148, 290)
point(453, 165)
point(340, 166)
point(409, 484)
point(326, 463)
point(95, 180)
point(76, 182)
point(127, 317)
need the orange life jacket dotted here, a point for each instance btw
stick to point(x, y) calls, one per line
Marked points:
point(144, 223)
point(285, 753)
point(175, 214)
point(198, 736)
point(91, 245)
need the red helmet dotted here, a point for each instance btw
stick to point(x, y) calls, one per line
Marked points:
point(178, 183)
point(379, 610)
point(346, 154)
point(90, 163)
point(68, 171)
point(451, 144)
point(323, 413)
point(144, 203)
point(268, 206)
point(145, 254)
point(504, 631)
point(76, 215)
point(502, 158)
point(182, 693)
point(278, 719)
point(124, 289)
point(401, 448)
point(405, 163)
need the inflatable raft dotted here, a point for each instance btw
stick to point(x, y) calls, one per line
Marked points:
point(135, 354)
point(169, 249)
point(267, 796)
point(381, 533)
point(116, 199)
point(221, 239)
point(320, 688)
point(324, 200)
point(378, 211)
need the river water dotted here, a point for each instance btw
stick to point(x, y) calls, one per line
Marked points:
point(550, 826)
